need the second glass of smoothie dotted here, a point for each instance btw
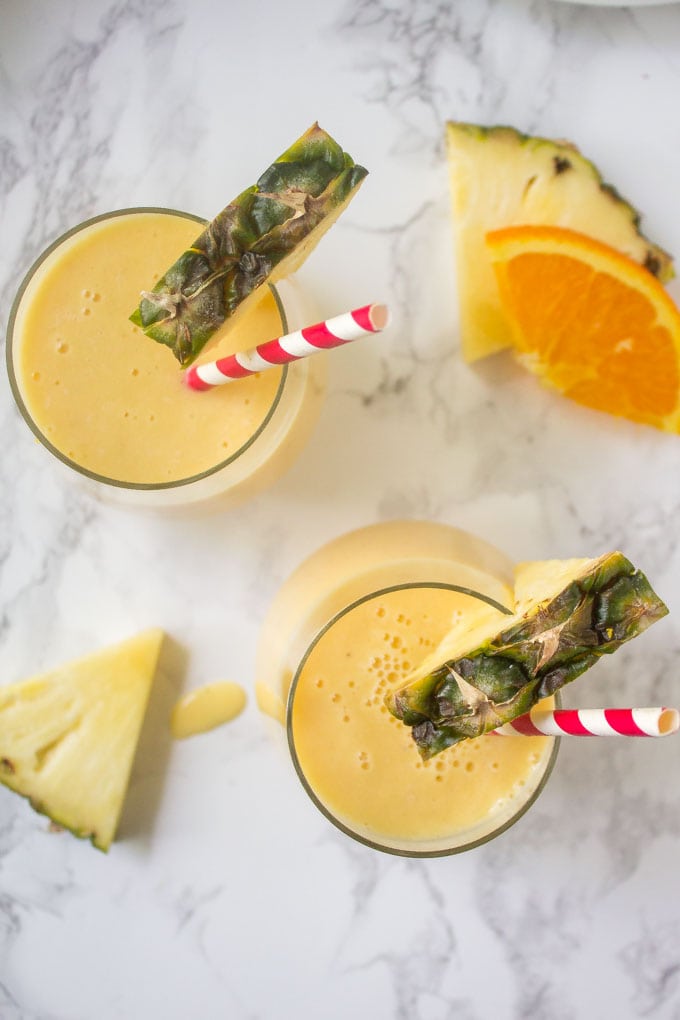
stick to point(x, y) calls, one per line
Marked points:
point(349, 625)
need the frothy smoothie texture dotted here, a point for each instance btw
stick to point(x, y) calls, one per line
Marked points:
point(362, 763)
point(351, 624)
point(110, 400)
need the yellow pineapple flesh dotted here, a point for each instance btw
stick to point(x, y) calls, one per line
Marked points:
point(68, 737)
point(500, 178)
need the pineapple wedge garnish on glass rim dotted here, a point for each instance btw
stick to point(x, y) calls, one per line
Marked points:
point(568, 613)
point(263, 235)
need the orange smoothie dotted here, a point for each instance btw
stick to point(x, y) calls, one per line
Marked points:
point(110, 402)
point(358, 763)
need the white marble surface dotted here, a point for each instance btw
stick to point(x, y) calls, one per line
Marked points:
point(227, 894)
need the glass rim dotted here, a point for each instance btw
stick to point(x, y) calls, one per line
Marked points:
point(94, 476)
point(375, 844)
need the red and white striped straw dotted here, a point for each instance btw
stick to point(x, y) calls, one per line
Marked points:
point(336, 332)
point(594, 722)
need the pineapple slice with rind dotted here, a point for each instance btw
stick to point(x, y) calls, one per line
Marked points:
point(262, 236)
point(500, 177)
point(568, 614)
point(68, 737)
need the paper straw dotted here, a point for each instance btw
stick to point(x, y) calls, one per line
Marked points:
point(336, 332)
point(594, 722)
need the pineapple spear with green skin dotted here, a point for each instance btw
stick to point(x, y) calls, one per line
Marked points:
point(264, 235)
point(68, 737)
point(568, 614)
point(500, 178)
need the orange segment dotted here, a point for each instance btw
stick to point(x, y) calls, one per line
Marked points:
point(590, 322)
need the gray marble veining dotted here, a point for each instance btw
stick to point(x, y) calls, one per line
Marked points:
point(234, 897)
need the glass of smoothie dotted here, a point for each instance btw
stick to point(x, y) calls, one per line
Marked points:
point(109, 403)
point(350, 624)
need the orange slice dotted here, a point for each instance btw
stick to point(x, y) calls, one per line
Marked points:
point(590, 322)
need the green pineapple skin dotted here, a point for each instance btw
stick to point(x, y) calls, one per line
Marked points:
point(7, 768)
point(242, 247)
point(531, 659)
point(657, 261)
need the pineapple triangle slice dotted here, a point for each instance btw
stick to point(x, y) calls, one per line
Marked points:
point(68, 737)
point(499, 178)
point(568, 613)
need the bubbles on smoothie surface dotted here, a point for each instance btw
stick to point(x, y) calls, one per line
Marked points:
point(399, 651)
point(393, 644)
point(89, 297)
